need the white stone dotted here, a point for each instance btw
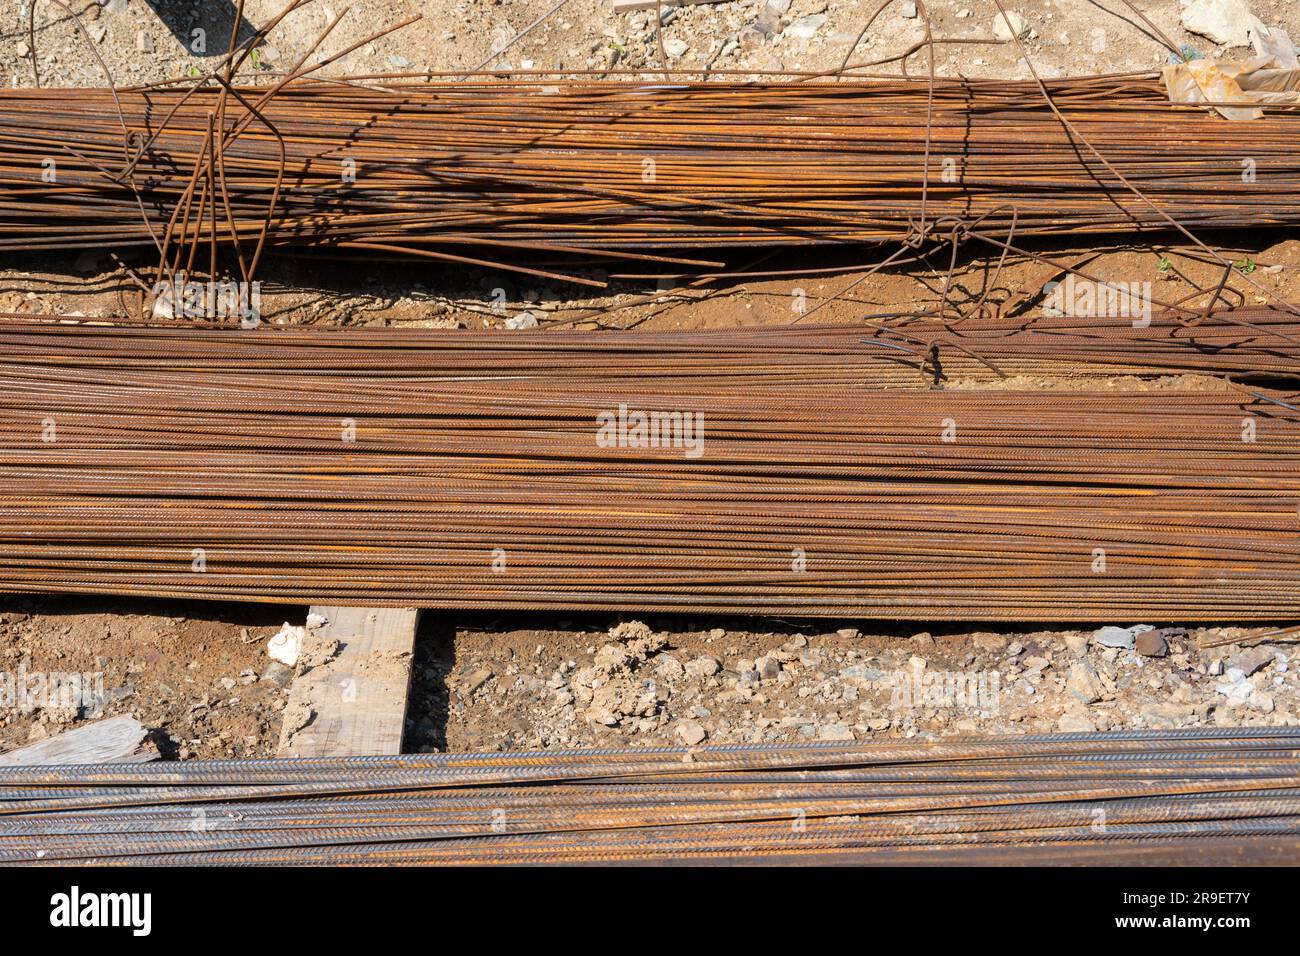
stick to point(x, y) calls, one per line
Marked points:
point(691, 732)
point(702, 667)
point(1226, 22)
point(1122, 637)
point(286, 646)
point(1009, 27)
point(835, 732)
point(806, 28)
point(1073, 723)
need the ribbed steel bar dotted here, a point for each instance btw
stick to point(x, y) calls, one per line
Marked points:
point(490, 470)
point(1234, 799)
point(883, 354)
point(525, 173)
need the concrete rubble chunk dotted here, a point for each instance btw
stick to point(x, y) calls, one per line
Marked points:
point(835, 732)
point(1074, 723)
point(690, 732)
point(1252, 659)
point(286, 646)
point(1083, 682)
point(1226, 22)
point(1121, 637)
point(805, 28)
point(703, 667)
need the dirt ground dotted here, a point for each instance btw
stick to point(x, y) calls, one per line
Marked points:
point(199, 675)
point(190, 672)
point(515, 687)
point(1063, 37)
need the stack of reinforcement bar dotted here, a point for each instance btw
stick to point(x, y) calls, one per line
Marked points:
point(753, 471)
point(507, 172)
point(1263, 343)
point(1208, 796)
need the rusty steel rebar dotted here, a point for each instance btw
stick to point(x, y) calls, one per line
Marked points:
point(531, 173)
point(384, 466)
point(1193, 796)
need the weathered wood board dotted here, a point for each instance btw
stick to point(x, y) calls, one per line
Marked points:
point(115, 740)
point(350, 700)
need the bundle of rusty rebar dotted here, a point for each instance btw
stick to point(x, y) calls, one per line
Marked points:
point(905, 351)
point(508, 470)
point(1257, 342)
point(525, 172)
point(1183, 796)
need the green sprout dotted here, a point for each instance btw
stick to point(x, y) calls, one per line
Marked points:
point(1246, 266)
point(256, 56)
point(1165, 266)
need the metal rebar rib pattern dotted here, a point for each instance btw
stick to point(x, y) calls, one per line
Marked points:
point(466, 470)
point(493, 171)
point(1189, 796)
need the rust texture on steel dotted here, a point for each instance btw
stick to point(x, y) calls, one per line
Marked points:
point(1204, 796)
point(470, 470)
point(531, 173)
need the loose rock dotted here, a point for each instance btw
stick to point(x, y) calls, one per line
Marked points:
point(1009, 27)
point(835, 732)
point(691, 732)
point(806, 28)
point(1151, 644)
point(1226, 22)
point(1083, 682)
point(1074, 723)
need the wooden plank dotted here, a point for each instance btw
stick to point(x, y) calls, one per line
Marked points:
point(350, 697)
point(115, 740)
point(626, 6)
